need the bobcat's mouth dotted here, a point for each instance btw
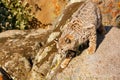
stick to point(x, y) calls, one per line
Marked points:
point(70, 54)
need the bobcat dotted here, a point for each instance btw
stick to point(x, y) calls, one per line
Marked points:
point(81, 27)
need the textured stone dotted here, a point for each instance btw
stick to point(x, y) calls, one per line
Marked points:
point(103, 64)
point(18, 50)
point(47, 11)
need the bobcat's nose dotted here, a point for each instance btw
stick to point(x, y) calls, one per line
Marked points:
point(61, 51)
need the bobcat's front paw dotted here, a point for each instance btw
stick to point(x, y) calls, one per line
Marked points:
point(65, 62)
point(90, 50)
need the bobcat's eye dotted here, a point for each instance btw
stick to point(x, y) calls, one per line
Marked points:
point(67, 40)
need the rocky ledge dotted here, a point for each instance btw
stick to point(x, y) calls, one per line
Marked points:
point(32, 55)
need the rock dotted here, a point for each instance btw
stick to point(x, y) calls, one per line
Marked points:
point(18, 50)
point(11, 33)
point(46, 11)
point(103, 64)
point(73, 1)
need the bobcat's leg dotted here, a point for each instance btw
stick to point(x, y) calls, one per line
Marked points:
point(92, 41)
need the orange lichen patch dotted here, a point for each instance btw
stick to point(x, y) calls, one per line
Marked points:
point(1, 77)
point(108, 8)
point(113, 8)
point(118, 4)
point(49, 9)
point(107, 11)
point(57, 7)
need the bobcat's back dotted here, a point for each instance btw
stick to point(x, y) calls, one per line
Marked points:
point(88, 13)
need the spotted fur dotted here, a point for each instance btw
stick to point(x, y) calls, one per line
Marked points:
point(81, 27)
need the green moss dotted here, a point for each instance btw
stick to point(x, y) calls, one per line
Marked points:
point(14, 14)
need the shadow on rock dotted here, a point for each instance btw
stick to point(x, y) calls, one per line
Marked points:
point(101, 37)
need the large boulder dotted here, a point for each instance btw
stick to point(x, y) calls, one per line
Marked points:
point(103, 64)
point(18, 50)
